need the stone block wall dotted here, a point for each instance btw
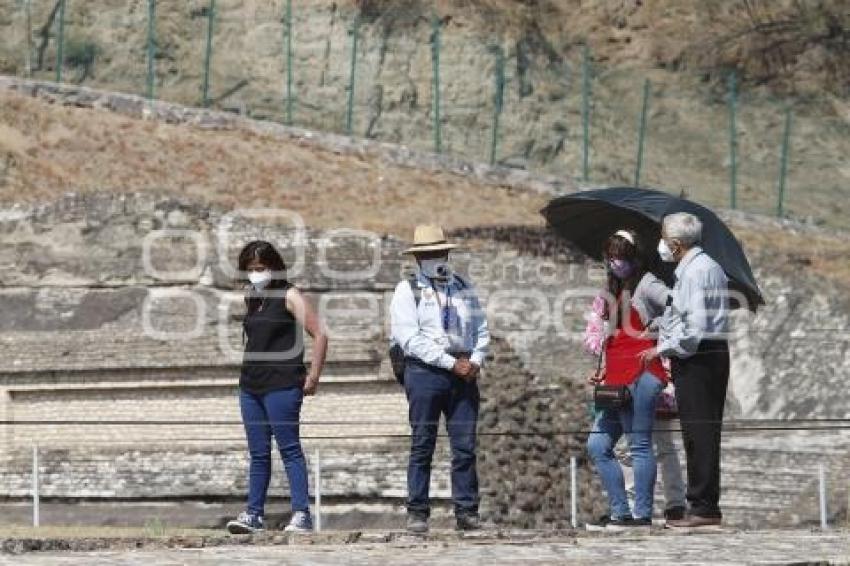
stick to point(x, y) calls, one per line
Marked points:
point(74, 347)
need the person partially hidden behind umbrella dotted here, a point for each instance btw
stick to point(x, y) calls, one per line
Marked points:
point(437, 320)
point(634, 297)
point(693, 333)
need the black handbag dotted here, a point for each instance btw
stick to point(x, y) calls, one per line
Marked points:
point(610, 396)
point(398, 363)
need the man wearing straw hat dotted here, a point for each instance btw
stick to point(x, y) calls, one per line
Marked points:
point(438, 324)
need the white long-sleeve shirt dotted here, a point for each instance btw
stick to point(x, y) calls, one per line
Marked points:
point(699, 309)
point(419, 331)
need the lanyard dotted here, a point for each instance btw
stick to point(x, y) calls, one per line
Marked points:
point(444, 309)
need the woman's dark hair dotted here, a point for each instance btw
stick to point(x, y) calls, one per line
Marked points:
point(618, 247)
point(265, 253)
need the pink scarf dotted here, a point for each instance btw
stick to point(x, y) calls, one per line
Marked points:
point(595, 333)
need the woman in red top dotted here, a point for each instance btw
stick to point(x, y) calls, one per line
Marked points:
point(633, 299)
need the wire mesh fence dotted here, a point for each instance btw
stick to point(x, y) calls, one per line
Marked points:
point(412, 75)
point(776, 473)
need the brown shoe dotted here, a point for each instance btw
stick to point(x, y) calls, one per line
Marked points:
point(675, 513)
point(693, 522)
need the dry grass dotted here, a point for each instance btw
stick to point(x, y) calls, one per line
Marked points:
point(821, 255)
point(50, 150)
point(630, 40)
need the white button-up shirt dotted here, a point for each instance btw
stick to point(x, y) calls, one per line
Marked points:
point(420, 331)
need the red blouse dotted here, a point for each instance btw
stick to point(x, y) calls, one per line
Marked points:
point(622, 361)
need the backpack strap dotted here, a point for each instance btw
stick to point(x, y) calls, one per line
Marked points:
point(414, 288)
point(413, 281)
point(461, 282)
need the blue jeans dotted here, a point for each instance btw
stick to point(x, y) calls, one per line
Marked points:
point(276, 412)
point(636, 422)
point(430, 392)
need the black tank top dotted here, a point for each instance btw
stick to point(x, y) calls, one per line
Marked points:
point(274, 351)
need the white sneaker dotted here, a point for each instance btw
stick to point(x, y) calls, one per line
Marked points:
point(301, 522)
point(599, 525)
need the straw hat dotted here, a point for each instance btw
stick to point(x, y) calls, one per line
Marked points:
point(429, 238)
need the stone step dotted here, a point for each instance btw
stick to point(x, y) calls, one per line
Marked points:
point(784, 454)
point(790, 476)
point(355, 470)
point(98, 350)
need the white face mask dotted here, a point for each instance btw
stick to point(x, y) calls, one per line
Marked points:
point(665, 252)
point(260, 279)
point(438, 268)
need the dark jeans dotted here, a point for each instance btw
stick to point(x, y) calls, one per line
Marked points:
point(701, 382)
point(276, 412)
point(430, 392)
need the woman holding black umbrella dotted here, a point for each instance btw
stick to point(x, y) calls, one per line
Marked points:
point(712, 276)
point(632, 299)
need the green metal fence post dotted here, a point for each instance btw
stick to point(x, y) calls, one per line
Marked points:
point(733, 142)
point(642, 132)
point(585, 114)
point(435, 60)
point(151, 49)
point(288, 31)
point(349, 115)
point(28, 30)
point(60, 46)
point(208, 55)
point(783, 163)
point(498, 100)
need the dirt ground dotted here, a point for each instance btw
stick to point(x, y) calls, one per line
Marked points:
point(443, 548)
point(50, 150)
point(144, 518)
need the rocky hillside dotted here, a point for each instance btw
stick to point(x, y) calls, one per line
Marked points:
point(788, 46)
point(786, 53)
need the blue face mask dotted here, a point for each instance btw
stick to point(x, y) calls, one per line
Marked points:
point(621, 268)
point(438, 268)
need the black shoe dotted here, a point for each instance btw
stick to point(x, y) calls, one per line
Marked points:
point(246, 523)
point(674, 514)
point(417, 524)
point(627, 523)
point(469, 522)
point(599, 525)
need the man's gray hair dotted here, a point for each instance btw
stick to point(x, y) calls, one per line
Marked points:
point(684, 227)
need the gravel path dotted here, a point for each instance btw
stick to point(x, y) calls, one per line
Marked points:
point(763, 547)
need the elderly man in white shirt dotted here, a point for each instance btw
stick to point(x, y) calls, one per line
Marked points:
point(693, 335)
point(437, 321)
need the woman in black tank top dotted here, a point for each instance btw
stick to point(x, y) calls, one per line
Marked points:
point(274, 380)
point(274, 350)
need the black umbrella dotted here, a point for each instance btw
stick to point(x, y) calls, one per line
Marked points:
point(588, 218)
